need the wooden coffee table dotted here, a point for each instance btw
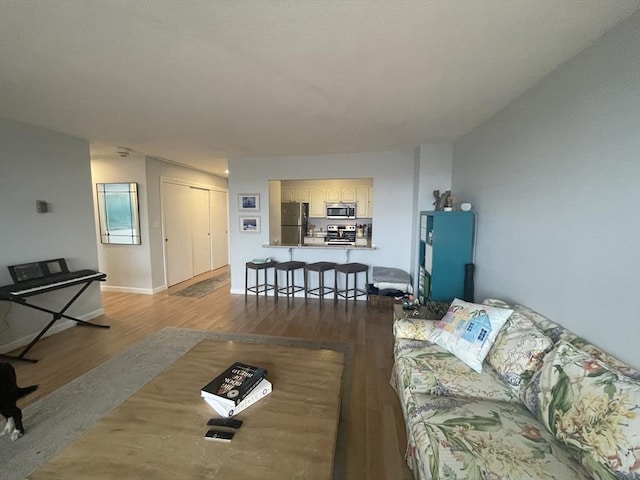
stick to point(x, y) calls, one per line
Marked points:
point(159, 431)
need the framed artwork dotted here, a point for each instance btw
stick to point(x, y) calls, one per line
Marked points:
point(118, 213)
point(249, 202)
point(249, 224)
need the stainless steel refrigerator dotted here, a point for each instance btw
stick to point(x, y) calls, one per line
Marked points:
point(294, 222)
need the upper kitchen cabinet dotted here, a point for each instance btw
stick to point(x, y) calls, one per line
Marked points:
point(317, 202)
point(348, 194)
point(333, 194)
point(319, 192)
point(341, 194)
point(300, 195)
point(364, 202)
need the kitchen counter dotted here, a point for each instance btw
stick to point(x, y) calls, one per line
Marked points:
point(312, 250)
point(323, 246)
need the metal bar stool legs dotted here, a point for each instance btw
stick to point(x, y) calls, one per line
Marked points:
point(355, 292)
point(320, 268)
point(290, 287)
point(258, 287)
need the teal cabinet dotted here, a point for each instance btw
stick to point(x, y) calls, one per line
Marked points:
point(446, 246)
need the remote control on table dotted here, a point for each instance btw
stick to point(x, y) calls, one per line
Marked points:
point(218, 436)
point(225, 422)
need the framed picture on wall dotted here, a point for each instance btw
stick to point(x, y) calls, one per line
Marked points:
point(249, 224)
point(249, 202)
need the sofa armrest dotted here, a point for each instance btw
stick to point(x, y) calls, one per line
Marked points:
point(413, 328)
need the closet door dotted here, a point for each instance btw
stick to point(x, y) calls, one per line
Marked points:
point(219, 228)
point(176, 208)
point(200, 239)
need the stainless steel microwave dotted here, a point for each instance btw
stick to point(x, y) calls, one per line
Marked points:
point(341, 210)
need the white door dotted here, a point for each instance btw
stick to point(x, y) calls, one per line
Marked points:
point(176, 206)
point(219, 228)
point(200, 239)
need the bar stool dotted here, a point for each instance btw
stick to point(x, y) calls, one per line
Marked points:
point(348, 269)
point(289, 269)
point(258, 287)
point(320, 268)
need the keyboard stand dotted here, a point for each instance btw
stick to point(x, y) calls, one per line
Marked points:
point(20, 300)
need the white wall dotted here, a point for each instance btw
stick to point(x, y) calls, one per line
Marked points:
point(555, 179)
point(393, 184)
point(128, 267)
point(433, 172)
point(436, 161)
point(38, 164)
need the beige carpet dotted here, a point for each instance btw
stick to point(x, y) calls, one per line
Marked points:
point(55, 421)
point(204, 287)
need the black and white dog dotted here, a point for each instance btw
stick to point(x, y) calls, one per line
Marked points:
point(10, 393)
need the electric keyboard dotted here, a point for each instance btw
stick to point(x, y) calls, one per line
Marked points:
point(40, 277)
point(52, 282)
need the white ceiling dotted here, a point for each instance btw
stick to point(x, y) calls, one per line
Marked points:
point(195, 82)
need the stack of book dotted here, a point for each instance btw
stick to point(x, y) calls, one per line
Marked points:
point(237, 388)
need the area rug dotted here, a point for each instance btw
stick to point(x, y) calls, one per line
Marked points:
point(204, 287)
point(56, 420)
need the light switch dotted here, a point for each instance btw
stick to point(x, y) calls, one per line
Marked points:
point(41, 206)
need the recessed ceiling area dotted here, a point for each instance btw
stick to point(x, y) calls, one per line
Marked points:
point(197, 82)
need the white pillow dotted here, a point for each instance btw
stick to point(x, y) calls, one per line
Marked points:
point(468, 330)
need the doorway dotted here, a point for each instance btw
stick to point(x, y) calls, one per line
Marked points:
point(195, 227)
point(219, 208)
point(200, 231)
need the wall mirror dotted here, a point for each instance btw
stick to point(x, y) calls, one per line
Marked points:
point(118, 213)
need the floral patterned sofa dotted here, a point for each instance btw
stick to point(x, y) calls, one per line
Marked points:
point(547, 404)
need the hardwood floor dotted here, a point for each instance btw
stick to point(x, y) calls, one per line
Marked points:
point(376, 437)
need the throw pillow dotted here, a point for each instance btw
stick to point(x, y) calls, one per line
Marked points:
point(468, 330)
point(494, 302)
point(518, 350)
point(550, 328)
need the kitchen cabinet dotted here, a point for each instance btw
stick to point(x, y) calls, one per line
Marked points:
point(334, 194)
point(288, 195)
point(319, 196)
point(445, 247)
point(364, 201)
point(317, 202)
point(348, 194)
point(300, 195)
point(341, 194)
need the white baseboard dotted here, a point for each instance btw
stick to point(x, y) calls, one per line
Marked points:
point(59, 326)
point(143, 291)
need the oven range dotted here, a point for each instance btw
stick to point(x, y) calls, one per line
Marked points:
point(341, 235)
